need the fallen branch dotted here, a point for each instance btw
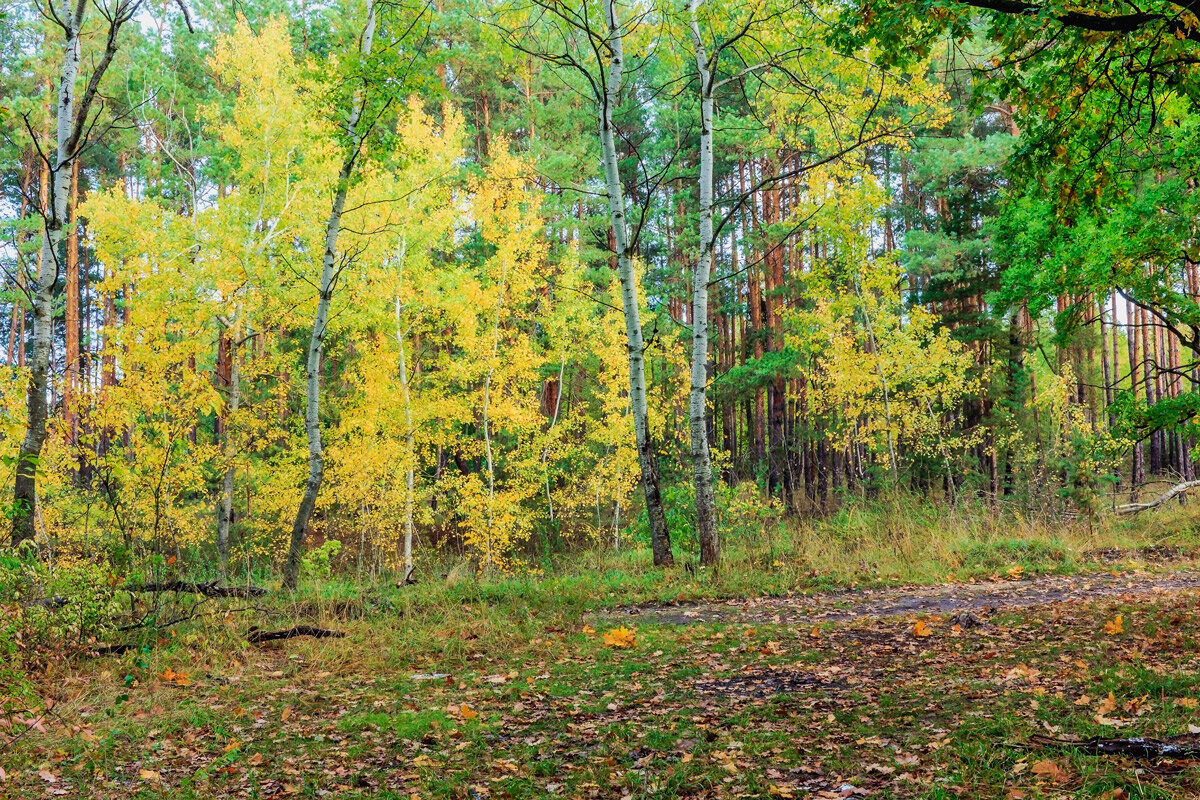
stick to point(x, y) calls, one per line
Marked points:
point(1173, 492)
point(255, 635)
point(1183, 746)
point(206, 589)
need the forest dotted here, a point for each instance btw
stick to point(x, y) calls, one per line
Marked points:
point(589, 398)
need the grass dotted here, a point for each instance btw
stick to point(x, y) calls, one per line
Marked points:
point(534, 704)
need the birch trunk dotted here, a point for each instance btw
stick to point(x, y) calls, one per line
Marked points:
point(316, 343)
point(706, 506)
point(409, 454)
point(42, 294)
point(660, 538)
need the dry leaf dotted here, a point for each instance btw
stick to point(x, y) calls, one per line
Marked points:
point(467, 712)
point(1114, 626)
point(619, 638)
point(815, 633)
point(921, 630)
point(255, 760)
point(1049, 770)
point(150, 775)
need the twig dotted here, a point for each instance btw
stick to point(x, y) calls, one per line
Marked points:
point(1174, 491)
point(256, 635)
point(1183, 746)
point(206, 589)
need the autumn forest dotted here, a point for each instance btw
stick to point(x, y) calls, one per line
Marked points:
point(374, 337)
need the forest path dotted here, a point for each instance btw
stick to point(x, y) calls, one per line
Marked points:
point(901, 601)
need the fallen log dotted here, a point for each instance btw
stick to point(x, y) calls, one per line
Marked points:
point(256, 635)
point(210, 589)
point(1183, 746)
point(1173, 492)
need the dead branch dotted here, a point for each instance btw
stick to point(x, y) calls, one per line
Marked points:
point(207, 589)
point(1173, 492)
point(1183, 746)
point(256, 635)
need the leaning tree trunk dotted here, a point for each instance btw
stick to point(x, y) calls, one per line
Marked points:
point(660, 537)
point(316, 342)
point(706, 506)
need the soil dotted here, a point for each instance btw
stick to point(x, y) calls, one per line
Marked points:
point(981, 598)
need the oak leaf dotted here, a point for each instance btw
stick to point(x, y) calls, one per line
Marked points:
point(921, 630)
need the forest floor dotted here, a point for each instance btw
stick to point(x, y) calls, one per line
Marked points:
point(883, 692)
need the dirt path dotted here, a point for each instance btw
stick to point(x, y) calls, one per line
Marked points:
point(905, 600)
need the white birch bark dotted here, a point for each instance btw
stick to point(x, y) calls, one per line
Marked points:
point(71, 122)
point(316, 344)
point(659, 534)
point(706, 513)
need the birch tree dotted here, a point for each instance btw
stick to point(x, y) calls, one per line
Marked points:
point(706, 504)
point(603, 67)
point(357, 131)
point(74, 122)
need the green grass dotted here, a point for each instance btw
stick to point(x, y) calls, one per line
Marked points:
point(536, 705)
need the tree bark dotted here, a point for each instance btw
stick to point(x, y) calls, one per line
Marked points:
point(316, 342)
point(225, 514)
point(706, 506)
point(660, 538)
point(54, 218)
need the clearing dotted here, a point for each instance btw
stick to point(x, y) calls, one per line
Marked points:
point(872, 693)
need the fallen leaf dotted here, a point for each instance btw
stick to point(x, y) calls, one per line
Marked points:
point(467, 712)
point(150, 775)
point(1114, 626)
point(921, 630)
point(1049, 770)
point(287, 712)
point(619, 638)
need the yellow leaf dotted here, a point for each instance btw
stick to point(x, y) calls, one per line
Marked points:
point(588, 630)
point(467, 712)
point(149, 775)
point(1107, 705)
point(619, 638)
point(1114, 626)
point(815, 633)
point(1016, 572)
point(921, 630)
point(780, 791)
point(1187, 702)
